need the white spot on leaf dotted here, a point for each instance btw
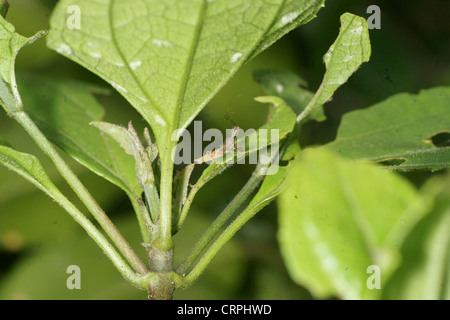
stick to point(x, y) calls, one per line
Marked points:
point(118, 87)
point(289, 18)
point(161, 43)
point(160, 120)
point(235, 58)
point(135, 64)
point(64, 49)
point(142, 99)
point(95, 55)
point(348, 58)
point(357, 30)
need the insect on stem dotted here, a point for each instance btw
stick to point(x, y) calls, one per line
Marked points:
point(227, 147)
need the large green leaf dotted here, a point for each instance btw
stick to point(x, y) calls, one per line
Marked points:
point(401, 129)
point(63, 109)
point(168, 59)
point(425, 269)
point(337, 218)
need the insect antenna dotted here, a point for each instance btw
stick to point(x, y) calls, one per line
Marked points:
point(227, 115)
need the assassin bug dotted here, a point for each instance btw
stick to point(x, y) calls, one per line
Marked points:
point(227, 147)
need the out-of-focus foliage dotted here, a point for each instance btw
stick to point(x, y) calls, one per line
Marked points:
point(338, 218)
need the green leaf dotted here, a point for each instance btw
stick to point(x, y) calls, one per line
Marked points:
point(399, 128)
point(350, 50)
point(425, 269)
point(289, 87)
point(337, 218)
point(63, 109)
point(10, 45)
point(168, 59)
point(27, 166)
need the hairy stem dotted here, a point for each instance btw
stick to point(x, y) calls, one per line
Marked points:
point(140, 281)
point(311, 105)
point(221, 220)
point(161, 262)
point(164, 241)
point(229, 232)
point(258, 176)
point(81, 191)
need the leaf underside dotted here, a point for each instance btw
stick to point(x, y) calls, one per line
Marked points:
point(169, 58)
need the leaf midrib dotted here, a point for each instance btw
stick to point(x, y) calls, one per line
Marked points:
point(183, 89)
point(213, 93)
point(126, 63)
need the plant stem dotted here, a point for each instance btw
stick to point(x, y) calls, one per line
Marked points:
point(187, 206)
point(140, 281)
point(258, 176)
point(311, 105)
point(80, 190)
point(164, 241)
point(221, 220)
point(190, 198)
point(161, 262)
point(160, 253)
point(229, 232)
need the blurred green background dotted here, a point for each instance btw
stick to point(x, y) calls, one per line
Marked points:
point(38, 240)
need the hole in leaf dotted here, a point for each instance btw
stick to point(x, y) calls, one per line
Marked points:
point(440, 140)
point(391, 162)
